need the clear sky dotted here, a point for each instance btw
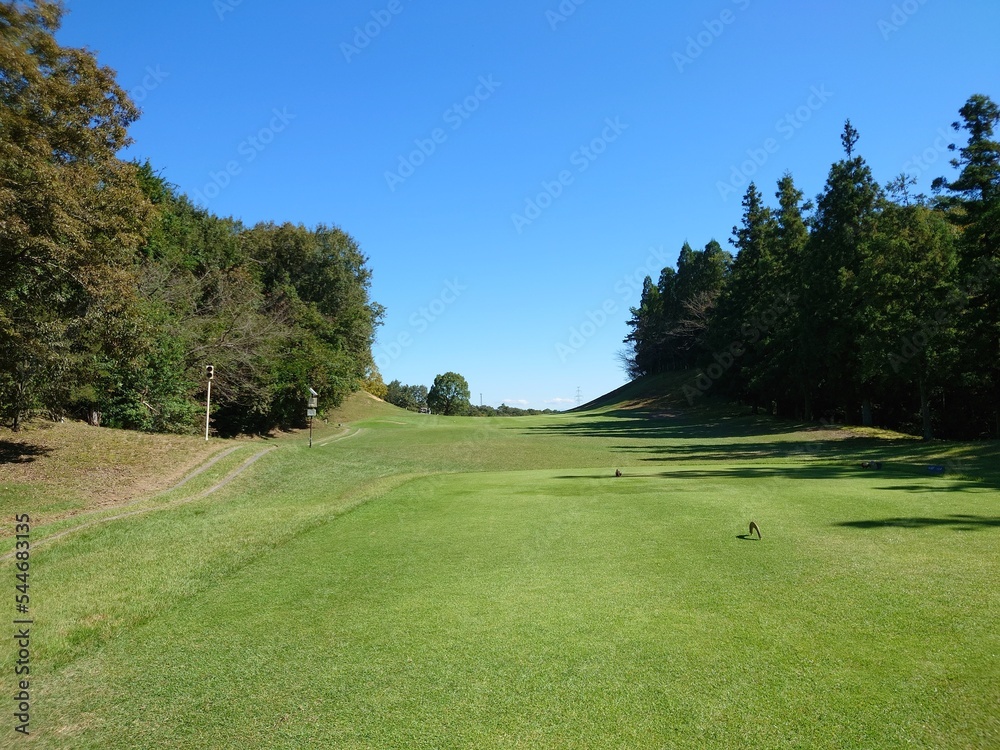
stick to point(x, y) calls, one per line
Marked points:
point(513, 169)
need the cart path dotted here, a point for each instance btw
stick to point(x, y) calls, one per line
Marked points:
point(340, 437)
point(214, 488)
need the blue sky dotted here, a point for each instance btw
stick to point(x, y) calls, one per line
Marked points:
point(513, 170)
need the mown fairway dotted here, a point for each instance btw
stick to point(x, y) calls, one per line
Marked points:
point(493, 585)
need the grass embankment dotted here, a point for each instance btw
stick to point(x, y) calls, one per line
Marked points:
point(496, 586)
point(61, 469)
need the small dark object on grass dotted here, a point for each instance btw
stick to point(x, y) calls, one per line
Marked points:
point(753, 528)
point(936, 469)
point(618, 472)
point(871, 464)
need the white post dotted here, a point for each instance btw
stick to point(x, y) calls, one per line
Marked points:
point(208, 408)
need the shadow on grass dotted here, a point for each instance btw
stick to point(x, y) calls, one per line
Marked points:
point(653, 424)
point(806, 471)
point(948, 483)
point(21, 453)
point(958, 522)
point(668, 436)
point(747, 538)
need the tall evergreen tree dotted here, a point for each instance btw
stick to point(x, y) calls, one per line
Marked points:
point(646, 324)
point(911, 310)
point(973, 203)
point(669, 312)
point(795, 364)
point(747, 299)
point(843, 226)
point(700, 278)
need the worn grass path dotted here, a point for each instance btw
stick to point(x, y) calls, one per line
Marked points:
point(435, 582)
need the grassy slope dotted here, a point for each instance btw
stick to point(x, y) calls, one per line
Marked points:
point(506, 592)
point(59, 470)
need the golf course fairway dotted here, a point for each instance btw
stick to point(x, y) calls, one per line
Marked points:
point(415, 581)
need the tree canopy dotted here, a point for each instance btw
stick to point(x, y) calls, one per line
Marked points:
point(449, 395)
point(116, 291)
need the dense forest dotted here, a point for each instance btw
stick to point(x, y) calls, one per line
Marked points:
point(116, 291)
point(869, 305)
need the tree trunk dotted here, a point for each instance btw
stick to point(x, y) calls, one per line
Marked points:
point(93, 416)
point(866, 413)
point(925, 411)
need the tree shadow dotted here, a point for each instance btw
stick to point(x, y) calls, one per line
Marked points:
point(651, 424)
point(806, 471)
point(668, 436)
point(21, 453)
point(958, 522)
point(948, 484)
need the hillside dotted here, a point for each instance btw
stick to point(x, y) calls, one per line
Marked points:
point(54, 470)
point(665, 391)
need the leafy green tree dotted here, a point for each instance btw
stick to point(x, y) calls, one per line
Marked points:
point(374, 384)
point(73, 214)
point(203, 296)
point(412, 397)
point(318, 281)
point(449, 395)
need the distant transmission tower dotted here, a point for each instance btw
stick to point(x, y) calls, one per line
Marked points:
point(579, 396)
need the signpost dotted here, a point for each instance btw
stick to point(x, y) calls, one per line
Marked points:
point(311, 412)
point(209, 373)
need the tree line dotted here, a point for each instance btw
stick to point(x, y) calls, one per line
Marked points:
point(116, 291)
point(448, 395)
point(869, 305)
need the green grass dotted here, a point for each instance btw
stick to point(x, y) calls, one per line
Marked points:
point(434, 582)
